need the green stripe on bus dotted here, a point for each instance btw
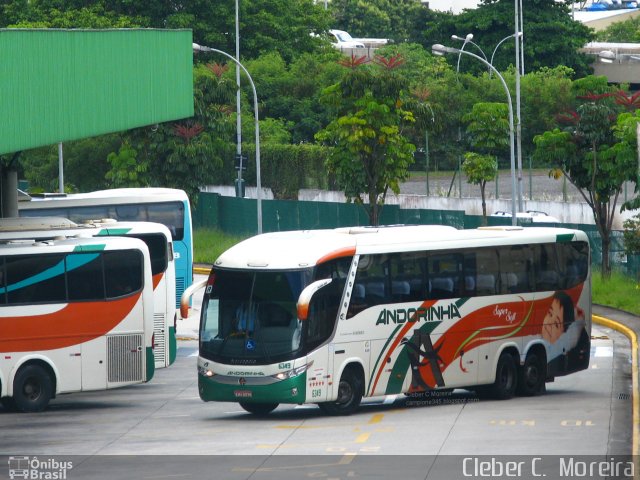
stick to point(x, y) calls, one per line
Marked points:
point(89, 248)
point(382, 352)
point(151, 363)
point(105, 232)
point(565, 237)
point(173, 345)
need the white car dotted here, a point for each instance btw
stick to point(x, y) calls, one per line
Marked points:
point(342, 39)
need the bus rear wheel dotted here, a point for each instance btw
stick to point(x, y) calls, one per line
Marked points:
point(533, 374)
point(350, 391)
point(506, 381)
point(32, 389)
point(259, 408)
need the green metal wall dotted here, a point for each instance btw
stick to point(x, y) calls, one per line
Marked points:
point(60, 85)
point(238, 216)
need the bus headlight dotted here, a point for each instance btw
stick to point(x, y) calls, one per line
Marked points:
point(292, 373)
point(205, 372)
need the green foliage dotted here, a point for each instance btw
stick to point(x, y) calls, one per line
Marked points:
point(398, 20)
point(85, 165)
point(626, 31)
point(618, 291)
point(126, 171)
point(479, 168)
point(592, 158)
point(488, 126)
point(287, 168)
point(370, 154)
point(632, 234)
point(208, 244)
point(551, 37)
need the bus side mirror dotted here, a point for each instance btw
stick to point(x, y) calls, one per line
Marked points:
point(186, 297)
point(305, 297)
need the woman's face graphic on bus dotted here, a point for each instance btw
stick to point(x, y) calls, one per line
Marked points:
point(553, 323)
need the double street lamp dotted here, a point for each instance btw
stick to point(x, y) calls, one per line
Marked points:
point(201, 48)
point(438, 49)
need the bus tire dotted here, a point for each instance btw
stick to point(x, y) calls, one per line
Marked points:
point(259, 408)
point(350, 391)
point(506, 381)
point(532, 375)
point(8, 403)
point(32, 389)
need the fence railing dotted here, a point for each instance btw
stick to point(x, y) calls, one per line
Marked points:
point(238, 216)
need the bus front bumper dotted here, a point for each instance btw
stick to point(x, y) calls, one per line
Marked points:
point(251, 389)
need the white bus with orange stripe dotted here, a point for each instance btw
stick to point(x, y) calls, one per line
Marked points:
point(332, 316)
point(156, 236)
point(75, 315)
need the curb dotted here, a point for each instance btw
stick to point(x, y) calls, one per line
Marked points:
point(633, 338)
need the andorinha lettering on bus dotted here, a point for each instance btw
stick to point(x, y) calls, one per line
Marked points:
point(424, 314)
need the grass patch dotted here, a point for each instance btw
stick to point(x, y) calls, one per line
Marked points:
point(620, 292)
point(208, 244)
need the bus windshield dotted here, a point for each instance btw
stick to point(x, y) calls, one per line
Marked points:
point(250, 317)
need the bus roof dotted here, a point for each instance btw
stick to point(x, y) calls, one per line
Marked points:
point(79, 245)
point(51, 227)
point(115, 195)
point(21, 224)
point(306, 248)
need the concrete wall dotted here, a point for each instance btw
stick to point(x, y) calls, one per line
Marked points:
point(576, 212)
point(565, 212)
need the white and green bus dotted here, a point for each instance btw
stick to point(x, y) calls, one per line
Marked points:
point(332, 316)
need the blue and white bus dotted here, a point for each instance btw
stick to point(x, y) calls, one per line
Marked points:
point(161, 205)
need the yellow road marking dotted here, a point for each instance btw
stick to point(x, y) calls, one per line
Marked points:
point(363, 438)
point(377, 418)
point(633, 338)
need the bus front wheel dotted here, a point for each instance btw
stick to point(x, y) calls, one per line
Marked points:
point(32, 389)
point(259, 408)
point(350, 391)
point(506, 381)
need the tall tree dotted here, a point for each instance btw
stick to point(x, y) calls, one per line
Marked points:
point(370, 154)
point(488, 129)
point(551, 36)
point(587, 155)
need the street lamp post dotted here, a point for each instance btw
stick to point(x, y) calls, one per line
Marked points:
point(201, 48)
point(239, 181)
point(500, 43)
point(441, 50)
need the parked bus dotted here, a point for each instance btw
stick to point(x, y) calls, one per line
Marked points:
point(158, 240)
point(332, 316)
point(162, 205)
point(75, 315)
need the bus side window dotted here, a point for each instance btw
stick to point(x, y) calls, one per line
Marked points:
point(85, 276)
point(123, 273)
point(515, 269)
point(547, 272)
point(487, 271)
point(36, 280)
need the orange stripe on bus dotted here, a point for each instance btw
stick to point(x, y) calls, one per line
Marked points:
point(75, 323)
point(343, 252)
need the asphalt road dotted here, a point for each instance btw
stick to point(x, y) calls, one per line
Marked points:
point(163, 430)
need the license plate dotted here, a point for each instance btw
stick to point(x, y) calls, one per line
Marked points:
point(243, 393)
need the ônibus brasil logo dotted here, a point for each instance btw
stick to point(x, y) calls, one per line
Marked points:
point(38, 469)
